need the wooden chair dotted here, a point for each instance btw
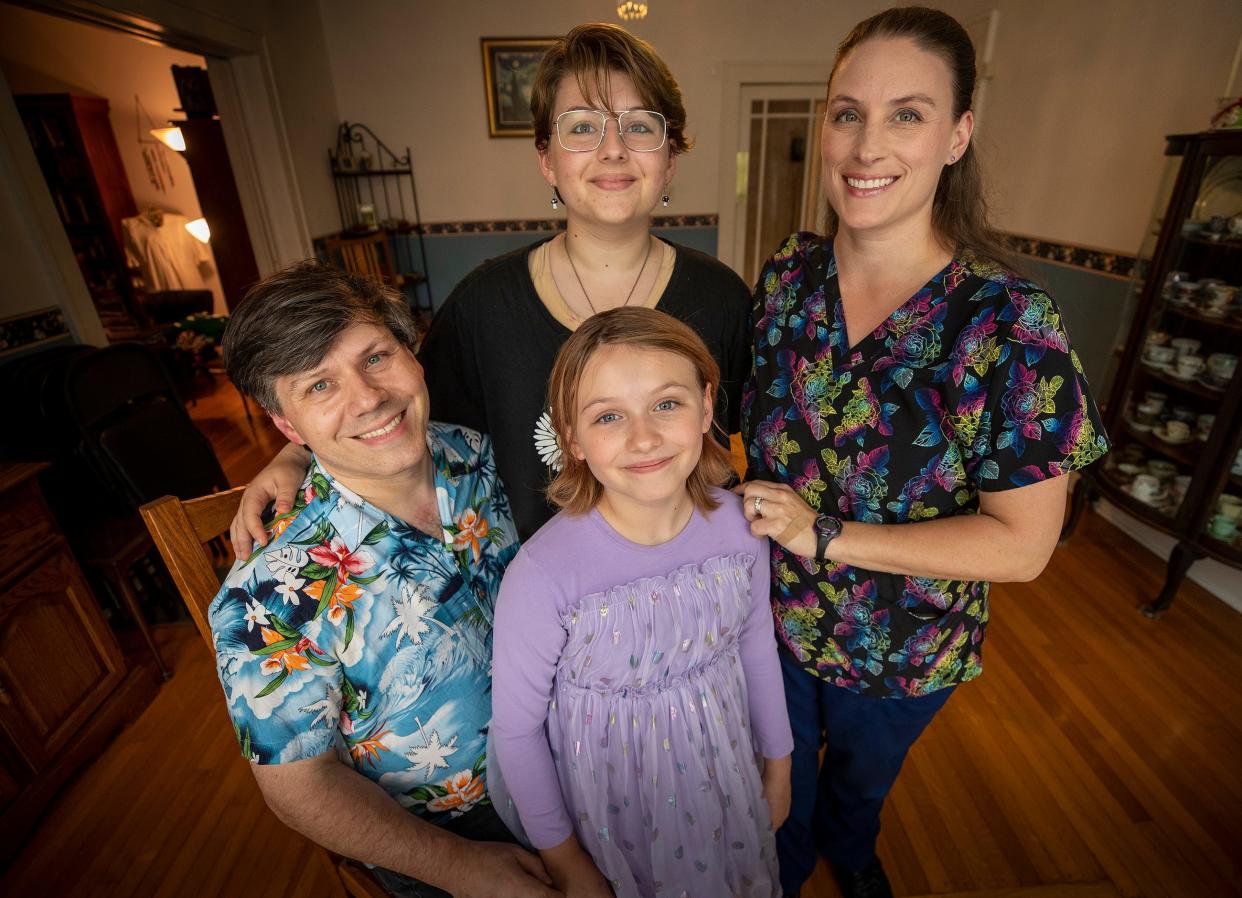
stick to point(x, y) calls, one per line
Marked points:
point(188, 535)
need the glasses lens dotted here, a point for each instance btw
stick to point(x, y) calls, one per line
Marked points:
point(580, 130)
point(642, 130)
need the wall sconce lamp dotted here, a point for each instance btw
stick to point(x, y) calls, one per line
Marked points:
point(170, 137)
point(198, 227)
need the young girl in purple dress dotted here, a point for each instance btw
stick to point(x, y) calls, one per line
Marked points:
point(636, 679)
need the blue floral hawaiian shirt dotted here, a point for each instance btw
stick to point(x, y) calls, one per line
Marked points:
point(970, 385)
point(355, 631)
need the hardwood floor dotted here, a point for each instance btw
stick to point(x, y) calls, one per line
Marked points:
point(1097, 757)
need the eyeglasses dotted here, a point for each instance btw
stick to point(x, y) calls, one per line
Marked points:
point(582, 130)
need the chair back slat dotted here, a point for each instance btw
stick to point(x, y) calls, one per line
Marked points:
point(180, 530)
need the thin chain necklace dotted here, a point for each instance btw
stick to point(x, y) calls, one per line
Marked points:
point(581, 287)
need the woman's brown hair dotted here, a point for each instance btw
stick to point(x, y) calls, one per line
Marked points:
point(575, 488)
point(959, 210)
point(591, 53)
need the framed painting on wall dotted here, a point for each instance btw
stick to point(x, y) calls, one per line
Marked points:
point(509, 65)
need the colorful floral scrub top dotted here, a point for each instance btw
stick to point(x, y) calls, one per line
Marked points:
point(970, 385)
point(355, 631)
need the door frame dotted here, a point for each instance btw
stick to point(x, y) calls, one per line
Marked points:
point(239, 69)
point(733, 76)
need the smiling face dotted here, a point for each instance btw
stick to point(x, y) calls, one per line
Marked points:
point(362, 410)
point(610, 185)
point(640, 417)
point(888, 132)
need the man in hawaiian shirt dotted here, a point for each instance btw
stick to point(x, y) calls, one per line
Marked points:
point(355, 647)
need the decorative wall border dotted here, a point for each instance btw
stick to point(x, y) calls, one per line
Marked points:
point(553, 224)
point(1104, 261)
point(31, 328)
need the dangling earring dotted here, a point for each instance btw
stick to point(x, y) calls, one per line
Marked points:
point(556, 201)
point(664, 200)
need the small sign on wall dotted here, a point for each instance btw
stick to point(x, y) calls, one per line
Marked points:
point(509, 65)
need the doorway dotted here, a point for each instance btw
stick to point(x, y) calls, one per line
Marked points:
point(779, 169)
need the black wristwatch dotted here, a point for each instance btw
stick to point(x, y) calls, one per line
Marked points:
point(827, 528)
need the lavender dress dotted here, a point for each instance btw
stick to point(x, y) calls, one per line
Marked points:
point(633, 687)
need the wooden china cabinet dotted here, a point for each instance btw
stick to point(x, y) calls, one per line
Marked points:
point(1193, 245)
point(64, 684)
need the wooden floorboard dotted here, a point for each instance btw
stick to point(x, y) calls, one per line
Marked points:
point(1097, 757)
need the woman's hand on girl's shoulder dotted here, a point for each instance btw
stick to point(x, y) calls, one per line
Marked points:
point(777, 512)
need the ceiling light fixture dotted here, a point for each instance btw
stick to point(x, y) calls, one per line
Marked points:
point(171, 137)
point(630, 10)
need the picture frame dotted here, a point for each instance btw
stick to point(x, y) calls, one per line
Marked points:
point(509, 65)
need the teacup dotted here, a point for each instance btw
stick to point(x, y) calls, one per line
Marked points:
point(1160, 355)
point(1187, 290)
point(1203, 426)
point(1176, 431)
point(1223, 528)
point(1220, 294)
point(1129, 470)
point(1157, 338)
point(1190, 366)
point(1185, 345)
point(1214, 301)
point(1230, 506)
point(1184, 413)
point(1147, 413)
point(1181, 483)
point(1222, 365)
point(1161, 469)
point(1145, 487)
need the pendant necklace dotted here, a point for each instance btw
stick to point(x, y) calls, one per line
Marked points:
point(587, 296)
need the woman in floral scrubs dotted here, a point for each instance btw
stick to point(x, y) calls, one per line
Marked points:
point(913, 406)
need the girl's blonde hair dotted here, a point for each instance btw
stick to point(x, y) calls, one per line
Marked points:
point(575, 488)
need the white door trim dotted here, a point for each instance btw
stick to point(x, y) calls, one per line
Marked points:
point(733, 76)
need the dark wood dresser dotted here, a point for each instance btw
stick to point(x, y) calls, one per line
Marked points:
point(65, 687)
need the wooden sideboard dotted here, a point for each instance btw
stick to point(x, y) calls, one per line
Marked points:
point(65, 687)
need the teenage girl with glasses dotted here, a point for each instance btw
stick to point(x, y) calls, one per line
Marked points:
point(609, 131)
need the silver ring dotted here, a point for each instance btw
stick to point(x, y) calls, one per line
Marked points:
point(758, 506)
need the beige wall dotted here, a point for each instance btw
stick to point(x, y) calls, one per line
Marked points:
point(40, 53)
point(1082, 95)
point(413, 73)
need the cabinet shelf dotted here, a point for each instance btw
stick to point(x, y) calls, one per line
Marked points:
point(1229, 324)
point(1189, 386)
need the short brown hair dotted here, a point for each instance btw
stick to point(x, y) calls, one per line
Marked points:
point(959, 209)
point(591, 53)
point(575, 488)
point(288, 321)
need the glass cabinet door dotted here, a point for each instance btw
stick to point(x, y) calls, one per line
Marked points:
point(1189, 353)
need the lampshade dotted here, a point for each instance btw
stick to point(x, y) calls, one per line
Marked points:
point(198, 227)
point(171, 137)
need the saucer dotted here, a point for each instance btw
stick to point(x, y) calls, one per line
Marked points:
point(1214, 313)
point(1161, 434)
point(1206, 380)
point(1162, 367)
point(1135, 425)
point(1172, 372)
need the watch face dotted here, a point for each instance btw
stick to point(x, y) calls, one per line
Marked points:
point(826, 525)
